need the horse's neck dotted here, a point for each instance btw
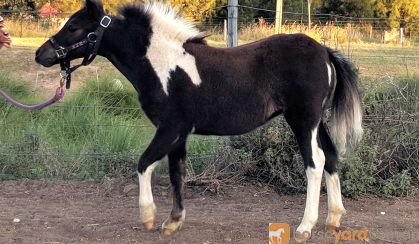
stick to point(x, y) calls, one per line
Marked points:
point(125, 54)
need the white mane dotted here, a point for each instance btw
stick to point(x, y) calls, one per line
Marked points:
point(166, 21)
point(166, 52)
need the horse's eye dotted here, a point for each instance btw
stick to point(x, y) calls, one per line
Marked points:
point(72, 28)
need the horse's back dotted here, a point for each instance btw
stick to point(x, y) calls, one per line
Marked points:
point(244, 87)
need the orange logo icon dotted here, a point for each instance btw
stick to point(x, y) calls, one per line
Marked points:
point(279, 233)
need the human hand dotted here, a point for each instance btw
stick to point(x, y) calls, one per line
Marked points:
point(4, 35)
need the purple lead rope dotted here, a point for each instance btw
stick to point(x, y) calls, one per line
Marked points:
point(59, 94)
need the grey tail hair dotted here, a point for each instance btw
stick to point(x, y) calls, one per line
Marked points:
point(346, 121)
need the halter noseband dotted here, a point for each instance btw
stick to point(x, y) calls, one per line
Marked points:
point(92, 39)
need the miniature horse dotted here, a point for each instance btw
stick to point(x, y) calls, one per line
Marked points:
point(185, 86)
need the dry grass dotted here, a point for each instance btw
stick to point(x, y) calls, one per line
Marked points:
point(329, 34)
point(32, 28)
point(33, 42)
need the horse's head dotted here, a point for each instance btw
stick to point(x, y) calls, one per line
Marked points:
point(75, 31)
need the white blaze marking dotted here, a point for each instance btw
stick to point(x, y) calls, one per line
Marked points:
point(144, 181)
point(166, 50)
point(329, 73)
point(314, 178)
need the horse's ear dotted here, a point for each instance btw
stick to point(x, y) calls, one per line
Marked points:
point(95, 8)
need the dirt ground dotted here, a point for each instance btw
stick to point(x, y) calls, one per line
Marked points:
point(85, 212)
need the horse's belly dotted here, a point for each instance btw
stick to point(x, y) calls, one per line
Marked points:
point(229, 125)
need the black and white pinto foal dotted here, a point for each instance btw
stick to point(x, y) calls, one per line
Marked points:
point(185, 86)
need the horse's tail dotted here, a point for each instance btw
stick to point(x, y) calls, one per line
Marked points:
point(346, 126)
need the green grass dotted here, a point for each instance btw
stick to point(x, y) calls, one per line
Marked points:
point(97, 131)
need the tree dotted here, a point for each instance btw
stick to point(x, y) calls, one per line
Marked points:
point(266, 9)
point(23, 5)
point(350, 8)
point(197, 10)
point(405, 13)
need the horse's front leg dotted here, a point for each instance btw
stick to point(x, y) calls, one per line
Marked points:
point(177, 176)
point(158, 148)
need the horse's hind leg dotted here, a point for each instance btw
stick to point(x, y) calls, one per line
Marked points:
point(177, 176)
point(305, 128)
point(334, 196)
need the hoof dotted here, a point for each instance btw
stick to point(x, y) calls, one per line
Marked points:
point(332, 229)
point(149, 225)
point(168, 232)
point(334, 217)
point(170, 226)
point(147, 216)
point(302, 236)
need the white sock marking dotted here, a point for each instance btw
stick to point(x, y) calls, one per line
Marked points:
point(314, 178)
point(144, 181)
point(334, 199)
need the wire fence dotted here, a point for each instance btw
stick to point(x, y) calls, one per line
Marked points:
point(328, 26)
point(111, 127)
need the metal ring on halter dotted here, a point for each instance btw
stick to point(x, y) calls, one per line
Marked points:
point(92, 37)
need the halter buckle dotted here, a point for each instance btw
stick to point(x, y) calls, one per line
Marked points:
point(105, 22)
point(63, 74)
point(61, 53)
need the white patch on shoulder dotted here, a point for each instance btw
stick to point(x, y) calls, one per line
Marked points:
point(166, 51)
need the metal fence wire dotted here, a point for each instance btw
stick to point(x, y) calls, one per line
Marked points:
point(115, 127)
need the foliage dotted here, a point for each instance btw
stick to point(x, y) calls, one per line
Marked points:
point(197, 10)
point(95, 132)
point(63, 141)
point(271, 154)
point(406, 14)
point(398, 184)
point(386, 161)
point(400, 12)
point(352, 8)
point(24, 5)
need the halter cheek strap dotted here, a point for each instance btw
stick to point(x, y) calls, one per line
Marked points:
point(92, 40)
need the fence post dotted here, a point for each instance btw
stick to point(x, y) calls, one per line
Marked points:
point(278, 17)
point(401, 36)
point(233, 10)
point(225, 30)
point(309, 14)
point(349, 38)
point(370, 31)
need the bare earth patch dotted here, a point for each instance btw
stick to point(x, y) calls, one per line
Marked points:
point(83, 212)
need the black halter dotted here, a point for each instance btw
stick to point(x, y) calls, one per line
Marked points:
point(92, 39)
